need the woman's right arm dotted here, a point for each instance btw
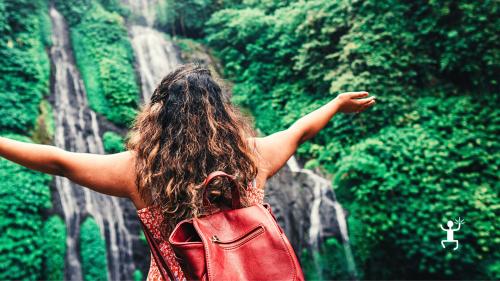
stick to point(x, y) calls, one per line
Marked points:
point(277, 148)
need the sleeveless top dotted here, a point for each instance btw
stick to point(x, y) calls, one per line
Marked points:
point(151, 219)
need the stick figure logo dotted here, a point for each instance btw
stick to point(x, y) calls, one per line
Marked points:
point(449, 232)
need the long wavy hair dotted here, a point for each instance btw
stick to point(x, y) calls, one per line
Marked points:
point(188, 130)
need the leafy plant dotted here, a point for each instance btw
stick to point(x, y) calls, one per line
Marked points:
point(425, 152)
point(54, 248)
point(24, 80)
point(24, 195)
point(113, 143)
point(93, 251)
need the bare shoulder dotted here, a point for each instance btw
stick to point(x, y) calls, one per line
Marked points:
point(255, 144)
point(274, 150)
point(130, 174)
point(125, 169)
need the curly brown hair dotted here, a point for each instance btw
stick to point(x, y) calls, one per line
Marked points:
point(188, 130)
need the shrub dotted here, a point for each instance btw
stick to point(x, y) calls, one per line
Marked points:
point(24, 80)
point(403, 183)
point(326, 263)
point(138, 275)
point(425, 153)
point(44, 128)
point(93, 251)
point(24, 195)
point(113, 143)
point(24, 64)
point(54, 248)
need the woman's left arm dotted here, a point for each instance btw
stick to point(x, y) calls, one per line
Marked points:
point(111, 174)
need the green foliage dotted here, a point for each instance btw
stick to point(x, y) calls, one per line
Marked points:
point(404, 182)
point(24, 194)
point(24, 80)
point(291, 61)
point(425, 153)
point(104, 57)
point(24, 64)
point(138, 275)
point(74, 10)
point(142, 238)
point(54, 247)
point(44, 128)
point(113, 143)
point(92, 251)
point(115, 6)
point(45, 28)
point(329, 263)
point(186, 18)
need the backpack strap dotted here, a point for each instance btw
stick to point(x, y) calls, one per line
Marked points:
point(155, 250)
point(235, 193)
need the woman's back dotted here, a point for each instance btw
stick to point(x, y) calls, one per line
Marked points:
point(152, 219)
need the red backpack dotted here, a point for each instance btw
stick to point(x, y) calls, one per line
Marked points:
point(232, 244)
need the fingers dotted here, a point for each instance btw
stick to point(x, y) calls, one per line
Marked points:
point(366, 100)
point(357, 95)
point(368, 104)
point(363, 106)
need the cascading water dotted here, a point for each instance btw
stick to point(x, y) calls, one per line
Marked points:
point(77, 130)
point(155, 56)
point(144, 10)
point(323, 197)
point(351, 265)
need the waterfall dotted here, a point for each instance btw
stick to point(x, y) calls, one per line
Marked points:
point(351, 265)
point(77, 130)
point(320, 186)
point(143, 10)
point(323, 197)
point(155, 55)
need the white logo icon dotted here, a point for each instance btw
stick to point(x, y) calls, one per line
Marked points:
point(449, 232)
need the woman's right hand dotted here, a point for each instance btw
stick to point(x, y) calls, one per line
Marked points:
point(354, 102)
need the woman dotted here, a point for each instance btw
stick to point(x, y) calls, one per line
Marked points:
point(188, 130)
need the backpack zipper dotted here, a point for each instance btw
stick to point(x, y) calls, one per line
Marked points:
point(240, 240)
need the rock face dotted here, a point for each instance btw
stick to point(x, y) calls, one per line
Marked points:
point(304, 205)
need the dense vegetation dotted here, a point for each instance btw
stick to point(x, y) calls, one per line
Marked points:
point(104, 57)
point(24, 81)
point(113, 142)
point(54, 247)
point(93, 251)
point(24, 72)
point(426, 153)
point(24, 194)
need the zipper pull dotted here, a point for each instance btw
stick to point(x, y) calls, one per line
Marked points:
point(215, 239)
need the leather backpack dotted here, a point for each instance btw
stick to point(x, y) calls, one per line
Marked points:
point(236, 243)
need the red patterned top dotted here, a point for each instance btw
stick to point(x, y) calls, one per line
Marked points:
point(151, 218)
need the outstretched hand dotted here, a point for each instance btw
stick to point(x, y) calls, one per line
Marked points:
point(354, 102)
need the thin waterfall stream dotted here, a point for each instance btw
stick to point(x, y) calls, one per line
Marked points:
point(155, 55)
point(320, 199)
point(77, 130)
